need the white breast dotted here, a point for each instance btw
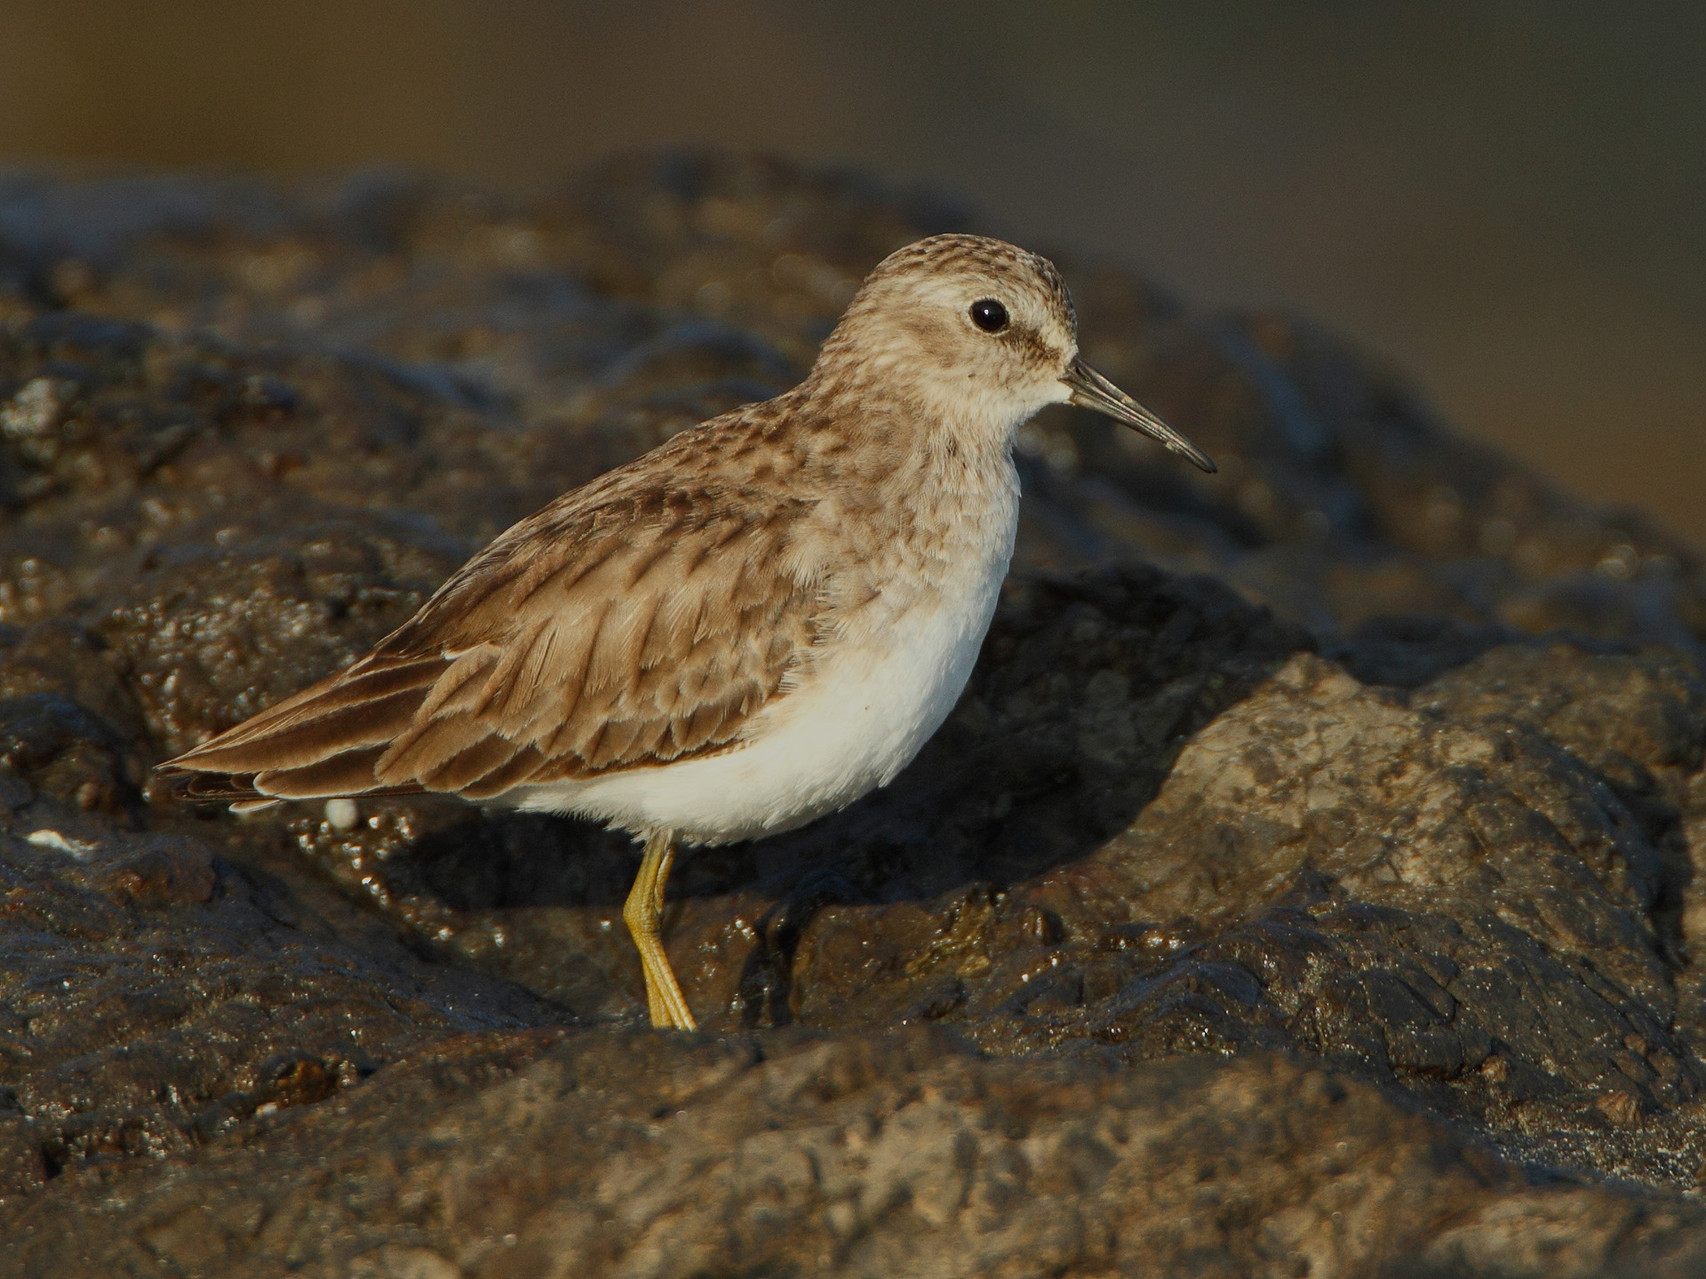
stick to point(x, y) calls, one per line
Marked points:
point(860, 715)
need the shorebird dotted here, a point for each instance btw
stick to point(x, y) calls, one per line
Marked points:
point(750, 626)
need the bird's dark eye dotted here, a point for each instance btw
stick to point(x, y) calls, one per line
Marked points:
point(989, 315)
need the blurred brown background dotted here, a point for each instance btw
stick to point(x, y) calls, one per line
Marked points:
point(1507, 197)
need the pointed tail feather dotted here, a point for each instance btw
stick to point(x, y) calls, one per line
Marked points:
point(321, 743)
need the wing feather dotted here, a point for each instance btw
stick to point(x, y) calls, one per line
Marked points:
point(526, 765)
point(460, 687)
point(350, 772)
point(615, 629)
point(484, 757)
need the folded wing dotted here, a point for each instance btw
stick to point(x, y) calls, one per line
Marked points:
point(609, 631)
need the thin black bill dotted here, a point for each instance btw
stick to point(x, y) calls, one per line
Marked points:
point(1090, 390)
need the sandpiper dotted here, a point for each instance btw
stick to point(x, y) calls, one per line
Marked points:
point(752, 625)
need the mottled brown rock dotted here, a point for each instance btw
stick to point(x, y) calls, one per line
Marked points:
point(153, 994)
point(624, 1154)
point(1305, 885)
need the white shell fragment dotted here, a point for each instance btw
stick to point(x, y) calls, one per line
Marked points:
point(46, 838)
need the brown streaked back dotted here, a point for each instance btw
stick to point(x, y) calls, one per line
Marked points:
point(640, 620)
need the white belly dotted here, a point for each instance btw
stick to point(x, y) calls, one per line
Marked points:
point(865, 709)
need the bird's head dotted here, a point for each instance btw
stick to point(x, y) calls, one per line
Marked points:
point(980, 334)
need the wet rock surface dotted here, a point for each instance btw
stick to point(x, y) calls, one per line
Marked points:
point(895, 1155)
point(1305, 884)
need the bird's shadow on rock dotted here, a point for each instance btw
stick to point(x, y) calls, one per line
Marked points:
point(1087, 688)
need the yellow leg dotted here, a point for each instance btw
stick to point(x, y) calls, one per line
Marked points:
point(642, 912)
